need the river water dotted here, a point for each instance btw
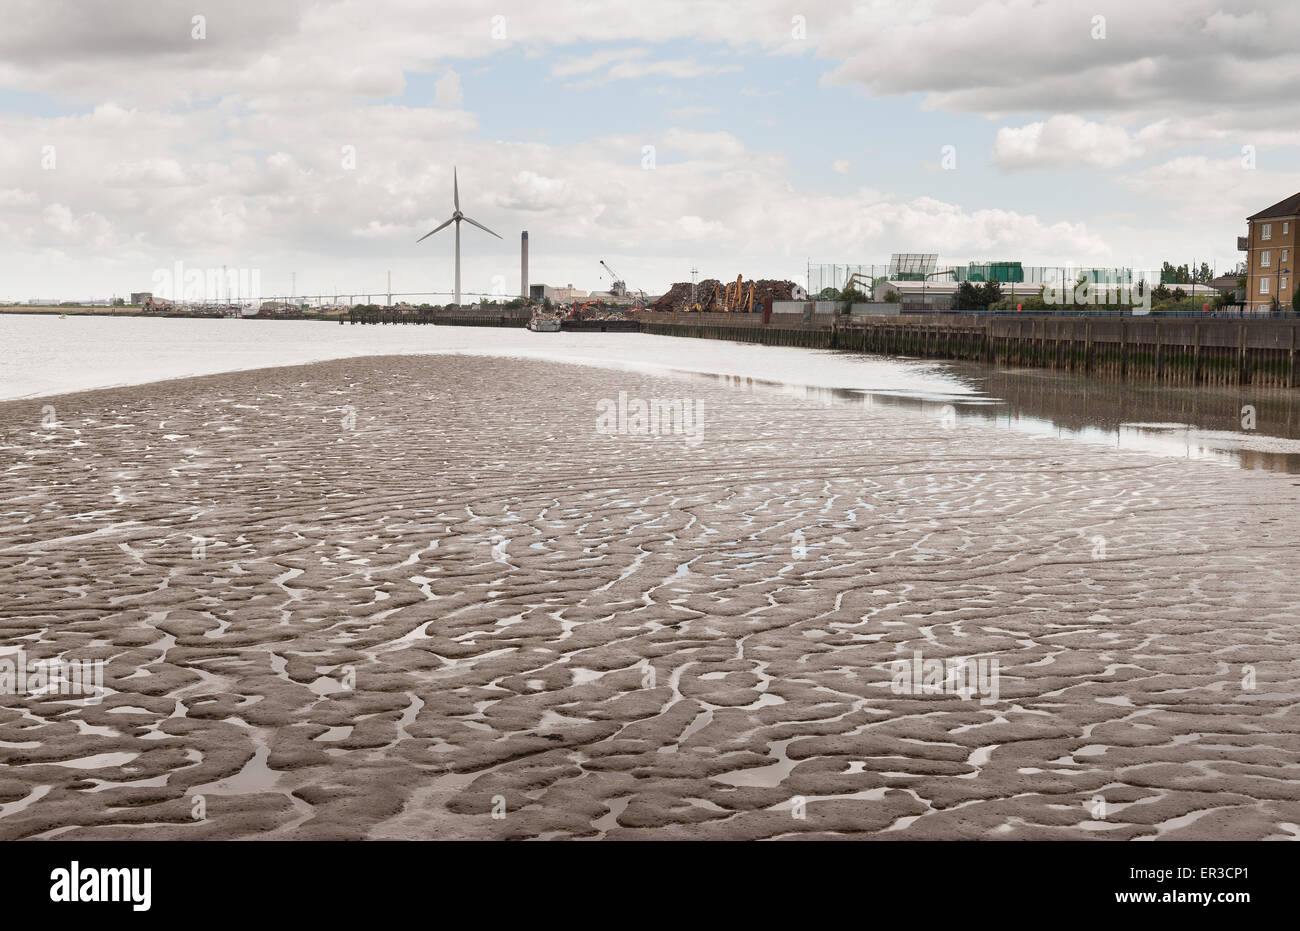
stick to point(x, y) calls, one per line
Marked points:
point(43, 355)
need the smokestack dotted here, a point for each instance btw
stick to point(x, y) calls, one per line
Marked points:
point(523, 265)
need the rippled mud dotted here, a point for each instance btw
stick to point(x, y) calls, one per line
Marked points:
point(425, 598)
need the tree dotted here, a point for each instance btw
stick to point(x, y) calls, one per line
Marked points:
point(969, 296)
point(1295, 301)
point(1203, 274)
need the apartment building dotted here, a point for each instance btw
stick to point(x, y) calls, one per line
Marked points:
point(1270, 248)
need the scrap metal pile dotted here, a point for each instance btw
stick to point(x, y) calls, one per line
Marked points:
point(589, 312)
point(711, 295)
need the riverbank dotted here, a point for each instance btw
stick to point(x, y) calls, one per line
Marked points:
point(76, 311)
point(386, 597)
point(1264, 352)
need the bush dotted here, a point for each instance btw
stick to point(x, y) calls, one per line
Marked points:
point(1181, 308)
point(971, 296)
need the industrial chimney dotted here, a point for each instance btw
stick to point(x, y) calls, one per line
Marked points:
point(523, 265)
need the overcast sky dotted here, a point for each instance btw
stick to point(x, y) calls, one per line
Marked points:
point(318, 138)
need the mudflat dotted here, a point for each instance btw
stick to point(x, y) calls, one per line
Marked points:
point(427, 597)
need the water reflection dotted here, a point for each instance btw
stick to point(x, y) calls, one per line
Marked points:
point(1180, 422)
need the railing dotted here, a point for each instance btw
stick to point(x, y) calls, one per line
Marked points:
point(1228, 311)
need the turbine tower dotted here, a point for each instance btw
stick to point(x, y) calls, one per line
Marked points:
point(456, 217)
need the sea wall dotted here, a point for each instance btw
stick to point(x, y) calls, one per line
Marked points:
point(1171, 350)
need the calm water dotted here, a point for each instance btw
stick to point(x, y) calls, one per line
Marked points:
point(44, 355)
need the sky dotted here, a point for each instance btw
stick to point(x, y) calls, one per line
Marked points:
point(310, 143)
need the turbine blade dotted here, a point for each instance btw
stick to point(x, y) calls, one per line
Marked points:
point(479, 225)
point(455, 188)
point(434, 230)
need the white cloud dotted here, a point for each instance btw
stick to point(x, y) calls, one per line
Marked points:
point(15, 197)
point(446, 92)
point(148, 172)
point(840, 166)
point(1221, 191)
point(227, 150)
point(1063, 141)
point(570, 65)
point(692, 113)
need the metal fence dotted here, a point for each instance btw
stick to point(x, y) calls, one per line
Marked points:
point(1235, 311)
point(1013, 276)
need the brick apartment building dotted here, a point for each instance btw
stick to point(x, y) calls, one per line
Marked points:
point(1270, 248)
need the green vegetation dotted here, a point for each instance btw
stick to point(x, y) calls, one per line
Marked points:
point(971, 296)
point(1169, 274)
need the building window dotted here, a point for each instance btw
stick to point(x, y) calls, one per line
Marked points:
point(1286, 227)
point(1266, 231)
point(1284, 252)
point(1265, 259)
point(1263, 286)
point(1281, 286)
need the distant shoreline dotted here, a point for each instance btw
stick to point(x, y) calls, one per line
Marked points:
point(137, 312)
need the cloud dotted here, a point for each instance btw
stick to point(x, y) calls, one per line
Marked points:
point(840, 166)
point(533, 192)
point(629, 66)
point(446, 92)
point(585, 64)
point(1223, 191)
point(148, 172)
point(15, 197)
point(1162, 57)
point(297, 209)
point(1064, 141)
point(228, 149)
point(692, 113)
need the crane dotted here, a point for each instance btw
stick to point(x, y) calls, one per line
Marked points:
point(619, 287)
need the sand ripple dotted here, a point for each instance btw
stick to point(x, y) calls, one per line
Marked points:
point(472, 602)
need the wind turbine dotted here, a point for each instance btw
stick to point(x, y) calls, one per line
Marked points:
point(456, 217)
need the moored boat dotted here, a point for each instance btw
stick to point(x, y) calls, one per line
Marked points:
point(543, 323)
